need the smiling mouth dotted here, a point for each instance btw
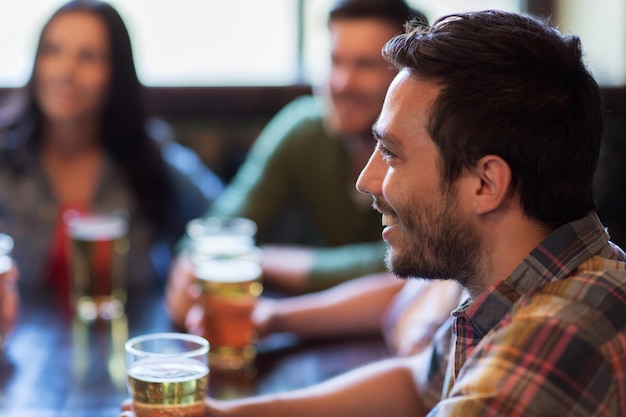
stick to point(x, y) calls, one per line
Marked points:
point(388, 220)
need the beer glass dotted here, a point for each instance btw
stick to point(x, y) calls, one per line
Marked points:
point(168, 374)
point(230, 288)
point(226, 264)
point(97, 250)
point(221, 237)
point(8, 292)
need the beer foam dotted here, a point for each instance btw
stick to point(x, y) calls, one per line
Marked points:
point(224, 245)
point(97, 227)
point(228, 270)
point(167, 370)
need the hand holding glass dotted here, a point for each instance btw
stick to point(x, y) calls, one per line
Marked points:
point(226, 265)
point(230, 289)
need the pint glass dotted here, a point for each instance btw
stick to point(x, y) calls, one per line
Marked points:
point(97, 252)
point(230, 288)
point(168, 374)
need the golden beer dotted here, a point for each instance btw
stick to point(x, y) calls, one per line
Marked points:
point(168, 387)
point(167, 374)
point(97, 245)
point(230, 288)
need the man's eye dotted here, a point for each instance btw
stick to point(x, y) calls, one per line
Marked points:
point(386, 153)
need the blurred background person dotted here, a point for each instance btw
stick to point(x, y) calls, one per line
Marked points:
point(78, 137)
point(297, 182)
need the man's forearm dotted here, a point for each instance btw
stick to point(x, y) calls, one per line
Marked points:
point(353, 307)
point(354, 393)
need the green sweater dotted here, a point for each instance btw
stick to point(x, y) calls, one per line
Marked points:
point(294, 184)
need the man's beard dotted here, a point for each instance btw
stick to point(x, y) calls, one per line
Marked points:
point(439, 244)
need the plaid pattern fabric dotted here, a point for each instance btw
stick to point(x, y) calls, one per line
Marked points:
point(549, 340)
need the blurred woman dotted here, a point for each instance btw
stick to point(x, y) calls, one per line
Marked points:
point(78, 138)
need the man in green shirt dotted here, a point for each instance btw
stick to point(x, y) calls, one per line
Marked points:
point(297, 182)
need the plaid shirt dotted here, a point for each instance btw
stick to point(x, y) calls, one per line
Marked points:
point(549, 340)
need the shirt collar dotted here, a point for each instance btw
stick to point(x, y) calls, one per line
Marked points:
point(553, 259)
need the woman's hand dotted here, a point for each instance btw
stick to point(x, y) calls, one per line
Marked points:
point(9, 300)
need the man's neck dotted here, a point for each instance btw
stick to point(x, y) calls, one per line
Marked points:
point(507, 241)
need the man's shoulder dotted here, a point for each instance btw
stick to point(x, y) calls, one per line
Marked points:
point(305, 105)
point(589, 304)
point(597, 283)
point(298, 126)
point(302, 112)
point(569, 342)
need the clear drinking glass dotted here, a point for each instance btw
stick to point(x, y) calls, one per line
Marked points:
point(98, 245)
point(227, 266)
point(221, 237)
point(230, 289)
point(168, 374)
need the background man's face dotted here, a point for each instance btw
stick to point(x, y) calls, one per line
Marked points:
point(359, 76)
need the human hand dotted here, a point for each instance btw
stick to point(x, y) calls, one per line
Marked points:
point(264, 316)
point(181, 292)
point(127, 409)
point(194, 321)
point(9, 299)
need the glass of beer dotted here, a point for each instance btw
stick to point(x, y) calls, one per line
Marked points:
point(98, 245)
point(230, 288)
point(168, 374)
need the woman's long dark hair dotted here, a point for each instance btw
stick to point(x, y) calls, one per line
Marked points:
point(123, 123)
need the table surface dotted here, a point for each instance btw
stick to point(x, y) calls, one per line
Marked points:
point(55, 366)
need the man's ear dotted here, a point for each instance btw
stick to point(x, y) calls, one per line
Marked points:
point(493, 181)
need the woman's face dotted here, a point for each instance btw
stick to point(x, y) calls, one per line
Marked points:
point(73, 68)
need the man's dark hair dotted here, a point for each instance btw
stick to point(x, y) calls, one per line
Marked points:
point(514, 87)
point(396, 12)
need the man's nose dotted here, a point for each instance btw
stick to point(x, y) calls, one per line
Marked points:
point(343, 78)
point(371, 178)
